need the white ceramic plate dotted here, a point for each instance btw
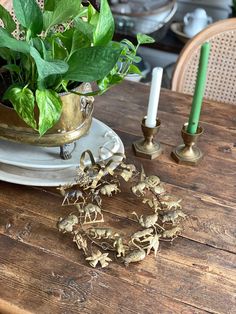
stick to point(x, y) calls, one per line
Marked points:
point(41, 158)
point(19, 175)
point(24, 176)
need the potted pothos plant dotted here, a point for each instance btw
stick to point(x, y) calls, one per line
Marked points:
point(51, 49)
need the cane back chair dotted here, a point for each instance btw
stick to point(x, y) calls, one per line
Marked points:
point(221, 76)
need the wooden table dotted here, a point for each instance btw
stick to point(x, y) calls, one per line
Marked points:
point(42, 271)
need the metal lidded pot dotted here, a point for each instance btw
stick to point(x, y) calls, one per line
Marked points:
point(148, 16)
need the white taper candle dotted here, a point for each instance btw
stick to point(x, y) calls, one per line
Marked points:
point(154, 97)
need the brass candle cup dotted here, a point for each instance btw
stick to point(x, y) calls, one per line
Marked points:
point(148, 148)
point(188, 153)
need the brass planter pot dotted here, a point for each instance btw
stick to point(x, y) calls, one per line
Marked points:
point(74, 122)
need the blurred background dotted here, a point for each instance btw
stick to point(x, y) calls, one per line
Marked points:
point(163, 20)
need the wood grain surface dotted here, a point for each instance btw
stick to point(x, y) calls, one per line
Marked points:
point(42, 271)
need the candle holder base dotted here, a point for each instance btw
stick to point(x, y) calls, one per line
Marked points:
point(188, 153)
point(152, 153)
point(147, 147)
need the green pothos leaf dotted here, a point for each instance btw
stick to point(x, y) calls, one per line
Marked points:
point(8, 21)
point(7, 41)
point(129, 44)
point(50, 106)
point(46, 68)
point(29, 15)
point(62, 12)
point(108, 81)
point(74, 39)
point(144, 39)
point(85, 28)
point(91, 12)
point(23, 102)
point(49, 5)
point(5, 53)
point(133, 69)
point(12, 68)
point(105, 25)
point(92, 63)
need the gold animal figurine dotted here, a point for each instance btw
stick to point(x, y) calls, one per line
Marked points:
point(129, 167)
point(155, 185)
point(169, 203)
point(100, 233)
point(89, 209)
point(126, 174)
point(152, 181)
point(134, 256)
point(108, 189)
point(173, 216)
point(72, 196)
point(95, 197)
point(153, 243)
point(81, 242)
point(119, 246)
point(148, 183)
point(141, 235)
point(128, 170)
point(99, 257)
point(172, 233)
point(153, 203)
point(148, 221)
point(159, 189)
point(67, 224)
point(140, 188)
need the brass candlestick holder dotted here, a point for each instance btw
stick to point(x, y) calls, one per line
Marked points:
point(147, 147)
point(188, 153)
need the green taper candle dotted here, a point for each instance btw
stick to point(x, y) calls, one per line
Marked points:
point(199, 89)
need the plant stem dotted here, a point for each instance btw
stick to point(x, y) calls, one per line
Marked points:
point(32, 74)
point(28, 35)
point(53, 48)
point(57, 86)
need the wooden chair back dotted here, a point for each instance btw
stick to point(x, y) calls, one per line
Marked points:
point(221, 76)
